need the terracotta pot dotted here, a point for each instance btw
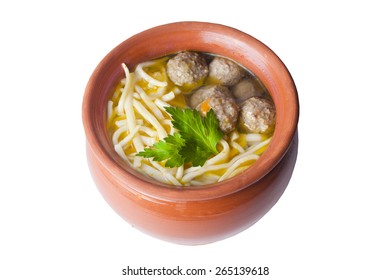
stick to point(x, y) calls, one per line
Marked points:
point(192, 215)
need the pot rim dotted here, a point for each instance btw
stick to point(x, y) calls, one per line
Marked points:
point(264, 63)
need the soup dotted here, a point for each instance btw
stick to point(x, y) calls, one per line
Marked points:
point(190, 118)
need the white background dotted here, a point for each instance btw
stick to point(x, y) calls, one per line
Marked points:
point(331, 223)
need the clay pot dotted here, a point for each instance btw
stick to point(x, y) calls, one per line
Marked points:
point(192, 215)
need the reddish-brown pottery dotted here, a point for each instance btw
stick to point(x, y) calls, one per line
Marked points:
point(199, 214)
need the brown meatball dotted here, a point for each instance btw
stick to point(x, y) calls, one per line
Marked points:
point(203, 93)
point(219, 99)
point(225, 71)
point(247, 88)
point(187, 68)
point(257, 115)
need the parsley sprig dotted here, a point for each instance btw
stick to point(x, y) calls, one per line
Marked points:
point(195, 141)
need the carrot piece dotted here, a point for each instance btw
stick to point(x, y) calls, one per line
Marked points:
point(205, 107)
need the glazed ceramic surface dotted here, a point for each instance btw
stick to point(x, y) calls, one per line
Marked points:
point(201, 214)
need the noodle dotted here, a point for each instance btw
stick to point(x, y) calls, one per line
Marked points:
point(151, 119)
point(125, 141)
point(131, 123)
point(168, 97)
point(236, 164)
point(117, 134)
point(148, 131)
point(237, 146)
point(127, 90)
point(166, 174)
point(119, 150)
point(148, 141)
point(148, 101)
point(161, 104)
point(147, 77)
point(110, 110)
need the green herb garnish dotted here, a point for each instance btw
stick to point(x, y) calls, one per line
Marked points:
point(195, 142)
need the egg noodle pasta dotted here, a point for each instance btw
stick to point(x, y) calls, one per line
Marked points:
point(237, 146)
point(129, 84)
point(125, 141)
point(149, 103)
point(152, 81)
point(131, 122)
point(117, 133)
point(168, 97)
point(137, 119)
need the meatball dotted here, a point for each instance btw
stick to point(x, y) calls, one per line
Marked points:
point(205, 92)
point(225, 71)
point(219, 99)
point(187, 68)
point(247, 88)
point(257, 115)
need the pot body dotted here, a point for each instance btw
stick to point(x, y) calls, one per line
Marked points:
point(194, 222)
point(202, 214)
